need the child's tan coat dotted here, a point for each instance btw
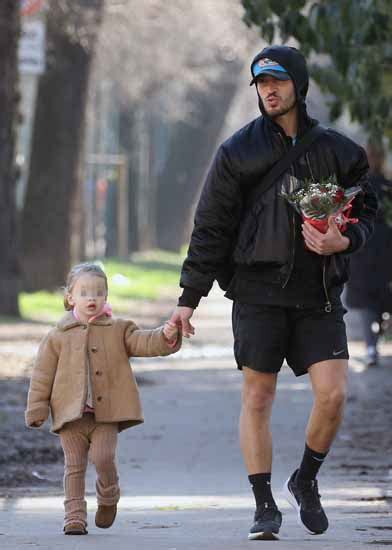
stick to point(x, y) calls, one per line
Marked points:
point(59, 379)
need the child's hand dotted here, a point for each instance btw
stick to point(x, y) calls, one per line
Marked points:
point(170, 332)
point(37, 423)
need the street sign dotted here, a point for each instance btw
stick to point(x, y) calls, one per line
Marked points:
point(30, 7)
point(32, 48)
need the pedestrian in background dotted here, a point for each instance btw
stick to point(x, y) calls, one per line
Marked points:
point(369, 288)
point(83, 377)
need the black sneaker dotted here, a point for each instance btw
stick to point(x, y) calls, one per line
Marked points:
point(372, 357)
point(371, 361)
point(267, 523)
point(305, 498)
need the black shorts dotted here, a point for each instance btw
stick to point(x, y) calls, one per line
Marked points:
point(266, 335)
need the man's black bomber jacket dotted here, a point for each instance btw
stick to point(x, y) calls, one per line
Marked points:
point(231, 228)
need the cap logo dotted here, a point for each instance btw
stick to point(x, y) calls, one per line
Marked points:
point(266, 62)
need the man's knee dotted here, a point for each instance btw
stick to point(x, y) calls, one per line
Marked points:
point(331, 401)
point(258, 395)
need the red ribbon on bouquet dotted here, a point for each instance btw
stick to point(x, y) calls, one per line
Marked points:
point(342, 219)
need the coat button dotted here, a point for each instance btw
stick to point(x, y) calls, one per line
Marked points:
point(98, 372)
point(94, 349)
point(99, 398)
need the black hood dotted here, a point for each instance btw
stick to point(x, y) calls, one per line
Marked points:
point(294, 62)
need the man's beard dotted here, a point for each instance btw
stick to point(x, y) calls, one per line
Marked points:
point(282, 112)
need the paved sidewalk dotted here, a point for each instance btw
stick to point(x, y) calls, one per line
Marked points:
point(183, 483)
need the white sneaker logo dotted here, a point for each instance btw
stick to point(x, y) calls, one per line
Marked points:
point(338, 352)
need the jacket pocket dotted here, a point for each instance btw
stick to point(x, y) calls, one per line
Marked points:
point(247, 234)
point(271, 242)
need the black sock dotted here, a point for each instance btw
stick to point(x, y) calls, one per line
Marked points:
point(261, 485)
point(310, 465)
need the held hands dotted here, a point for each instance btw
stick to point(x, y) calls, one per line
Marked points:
point(180, 318)
point(327, 243)
point(170, 332)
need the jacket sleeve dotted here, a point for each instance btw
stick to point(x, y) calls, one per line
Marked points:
point(216, 221)
point(41, 382)
point(148, 343)
point(364, 204)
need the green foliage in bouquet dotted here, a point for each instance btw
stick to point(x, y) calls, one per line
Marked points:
point(318, 200)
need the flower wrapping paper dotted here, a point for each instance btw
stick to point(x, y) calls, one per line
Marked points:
point(317, 201)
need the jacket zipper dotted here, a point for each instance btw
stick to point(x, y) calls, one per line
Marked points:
point(328, 305)
point(294, 234)
point(292, 254)
point(309, 167)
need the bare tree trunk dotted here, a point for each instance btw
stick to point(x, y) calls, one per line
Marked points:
point(58, 140)
point(127, 143)
point(9, 272)
point(190, 153)
point(78, 228)
point(146, 214)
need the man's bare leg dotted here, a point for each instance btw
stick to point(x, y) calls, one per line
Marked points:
point(329, 382)
point(256, 443)
point(258, 394)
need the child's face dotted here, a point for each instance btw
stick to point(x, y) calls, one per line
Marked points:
point(88, 295)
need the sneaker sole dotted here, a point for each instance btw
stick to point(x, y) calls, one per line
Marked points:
point(293, 501)
point(263, 535)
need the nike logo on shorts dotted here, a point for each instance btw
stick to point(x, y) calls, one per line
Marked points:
point(338, 352)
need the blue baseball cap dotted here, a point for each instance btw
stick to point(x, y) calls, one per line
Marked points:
point(266, 66)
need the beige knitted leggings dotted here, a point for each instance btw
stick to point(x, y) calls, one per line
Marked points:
point(81, 439)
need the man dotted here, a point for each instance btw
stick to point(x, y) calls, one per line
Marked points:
point(369, 288)
point(287, 280)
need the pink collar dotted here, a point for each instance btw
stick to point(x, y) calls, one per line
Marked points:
point(106, 310)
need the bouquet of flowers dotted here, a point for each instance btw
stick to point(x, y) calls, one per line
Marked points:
point(316, 201)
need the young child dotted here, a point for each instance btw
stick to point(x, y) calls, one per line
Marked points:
point(83, 376)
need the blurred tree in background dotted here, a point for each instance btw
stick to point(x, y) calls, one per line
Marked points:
point(9, 99)
point(153, 83)
point(176, 68)
point(57, 144)
point(354, 40)
point(168, 72)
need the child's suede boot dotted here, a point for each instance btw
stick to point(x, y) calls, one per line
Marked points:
point(105, 516)
point(75, 528)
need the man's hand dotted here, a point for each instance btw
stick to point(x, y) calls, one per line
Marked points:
point(327, 243)
point(180, 317)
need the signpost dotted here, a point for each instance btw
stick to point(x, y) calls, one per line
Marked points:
point(32, 47)
point(31, 57)
point(30, 7)
point(32, 40)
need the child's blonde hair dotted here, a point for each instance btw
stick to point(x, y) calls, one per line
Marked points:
point(75, 273)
